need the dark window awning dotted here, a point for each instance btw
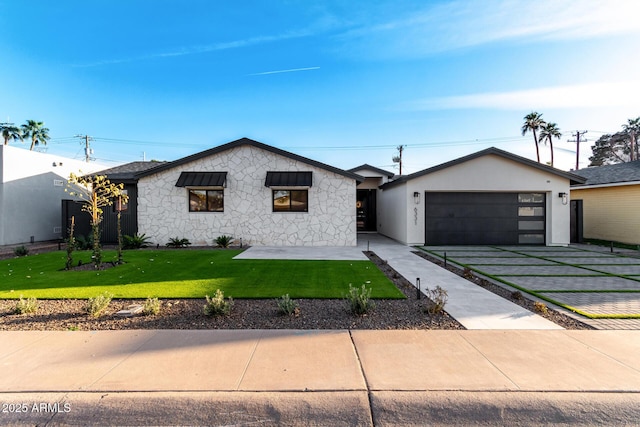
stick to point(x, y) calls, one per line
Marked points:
point(202, 179)
point(288, 179)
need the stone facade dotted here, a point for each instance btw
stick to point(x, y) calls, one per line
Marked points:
point(163, 208)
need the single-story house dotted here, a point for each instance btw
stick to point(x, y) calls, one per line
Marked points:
point(32, 187)
point(489, 197)
point(606, 205)
point(267, 196)
point(256, 193)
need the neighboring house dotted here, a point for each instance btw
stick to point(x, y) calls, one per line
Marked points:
point(489, 197)
point(607, 204)
point(123, 174)
point(367, 195)
point(32, 186)
point(250, 191)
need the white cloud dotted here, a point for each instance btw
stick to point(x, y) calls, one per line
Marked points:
point(193, 50)
point(592, 95)
point(459, 24)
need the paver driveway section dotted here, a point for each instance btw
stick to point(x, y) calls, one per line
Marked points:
point(594, 284)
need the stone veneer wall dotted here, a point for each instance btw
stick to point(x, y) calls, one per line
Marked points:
point(163, 210)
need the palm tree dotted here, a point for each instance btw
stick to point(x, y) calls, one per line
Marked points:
point(9, 131)
point(549, 131)
point(532, 122)
point(36, 131)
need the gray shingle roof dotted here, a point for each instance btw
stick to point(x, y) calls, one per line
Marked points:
point(610, 174)
point(128, 171)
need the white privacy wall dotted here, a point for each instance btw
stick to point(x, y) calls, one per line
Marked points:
point(32, 187)
point(163, 210)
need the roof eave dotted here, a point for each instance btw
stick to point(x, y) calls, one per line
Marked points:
point(573, 178)
point(250, 142)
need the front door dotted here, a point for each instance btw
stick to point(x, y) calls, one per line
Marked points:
point(366, 210)
point(576, 221)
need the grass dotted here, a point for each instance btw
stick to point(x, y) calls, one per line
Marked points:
point(188, 274)
point(607, 243)
point(539, 293)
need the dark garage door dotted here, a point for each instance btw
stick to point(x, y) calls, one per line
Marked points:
point(485, 218)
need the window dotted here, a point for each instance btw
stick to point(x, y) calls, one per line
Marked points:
point(531, 198)
point(290, 201)
point(206, 201)
point(530, 211)
point(531, 218)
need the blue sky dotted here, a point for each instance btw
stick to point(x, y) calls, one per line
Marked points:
point(341, 82)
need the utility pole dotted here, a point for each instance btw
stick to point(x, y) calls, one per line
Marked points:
point(398, 158)
point(577, 140)
point(88, 151)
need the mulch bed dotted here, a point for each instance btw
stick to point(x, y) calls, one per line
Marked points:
point(514, 295)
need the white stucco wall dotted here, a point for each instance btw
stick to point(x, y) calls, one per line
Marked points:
point(486, 173)
point(392, 213)
point(32, 188)
point(163, 210)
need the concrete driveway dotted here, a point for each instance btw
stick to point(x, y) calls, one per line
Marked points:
point(580, 278)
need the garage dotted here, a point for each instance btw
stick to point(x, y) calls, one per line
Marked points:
point(484, 218)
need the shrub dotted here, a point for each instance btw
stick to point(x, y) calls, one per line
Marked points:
point(136, 241)
point(176, 242)
point(540, 307)
point(517, 295)
point(84, 243)
point(467, 273)
point(21, 251)
point(26, 306)
point(287, 306)
point(217, 305)
point(359, 300)
point(151, 307)
point(224, 241)
point(438, 298)
point(95, 306)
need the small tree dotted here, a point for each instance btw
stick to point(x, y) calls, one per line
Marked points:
point(97, 192)
point(119, 210)
point(71, 244)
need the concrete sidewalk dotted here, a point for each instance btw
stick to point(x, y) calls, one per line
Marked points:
point(357, 375)
point(313, 360)
point(472, 306)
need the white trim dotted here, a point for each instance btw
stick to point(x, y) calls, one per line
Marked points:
point(612, 184)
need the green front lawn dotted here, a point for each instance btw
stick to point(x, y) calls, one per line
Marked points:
point(188, 274)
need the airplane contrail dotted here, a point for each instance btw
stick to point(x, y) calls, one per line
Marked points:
point(292, 70)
